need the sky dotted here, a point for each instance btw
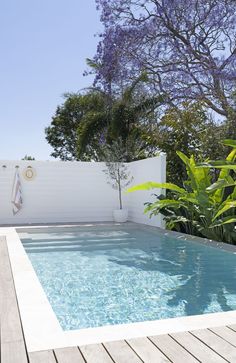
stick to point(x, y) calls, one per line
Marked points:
point(44, 44)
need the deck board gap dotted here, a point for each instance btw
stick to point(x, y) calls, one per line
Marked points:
point(55, 357)
point(184, 348)
point(134, 350)
point(231, 328)
point(103, 344)
point(222, 337)
point(85, 360)
point(210, 348)
point(161, 350)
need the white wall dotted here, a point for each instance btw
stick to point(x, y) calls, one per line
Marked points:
point(72, 191)
point(153, 169)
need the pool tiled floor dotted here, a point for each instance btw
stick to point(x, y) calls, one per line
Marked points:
point(205, 345)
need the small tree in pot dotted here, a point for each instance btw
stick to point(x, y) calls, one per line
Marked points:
point(118, 175)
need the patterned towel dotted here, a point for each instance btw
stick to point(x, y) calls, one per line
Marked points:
point(16, 194)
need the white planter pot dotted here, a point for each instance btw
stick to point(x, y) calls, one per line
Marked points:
point(120, 215)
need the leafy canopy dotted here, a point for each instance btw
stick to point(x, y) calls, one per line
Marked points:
point(85, 123)
point(191, 130)
point(187, 47)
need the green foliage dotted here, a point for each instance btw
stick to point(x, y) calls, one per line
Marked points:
point(123, 117)
point(91, 131)
point(190, 130)
point(61, 134)
point(85, 123)
point(87, 113)
point(231, 119)
point(28, 157)
point(201, 207)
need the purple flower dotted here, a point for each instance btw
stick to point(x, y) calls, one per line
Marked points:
point(187, 47)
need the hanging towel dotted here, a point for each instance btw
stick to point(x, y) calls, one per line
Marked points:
point(16, 194)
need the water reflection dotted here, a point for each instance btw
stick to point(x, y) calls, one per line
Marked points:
point(207, 274)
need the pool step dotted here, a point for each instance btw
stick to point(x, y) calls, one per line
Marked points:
point(72, 241)
point(68, 236)
point(82, 245)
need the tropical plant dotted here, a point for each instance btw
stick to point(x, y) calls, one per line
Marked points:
point(126, 116)
point(200, 207)
point(118, 175)
point(87, 121)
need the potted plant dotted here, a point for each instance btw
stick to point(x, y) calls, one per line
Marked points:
point(118, 176)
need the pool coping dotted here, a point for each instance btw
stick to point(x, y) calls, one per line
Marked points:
point(41, 328)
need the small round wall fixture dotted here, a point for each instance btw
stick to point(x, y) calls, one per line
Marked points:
point(29, 173)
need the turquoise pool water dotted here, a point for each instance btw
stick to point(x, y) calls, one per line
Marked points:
point(105, 275)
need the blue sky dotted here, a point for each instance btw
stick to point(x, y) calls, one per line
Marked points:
point(44, 44)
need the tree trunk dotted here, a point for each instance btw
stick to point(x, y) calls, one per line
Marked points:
point(120, 199)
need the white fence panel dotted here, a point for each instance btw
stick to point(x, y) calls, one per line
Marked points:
point(73, 191)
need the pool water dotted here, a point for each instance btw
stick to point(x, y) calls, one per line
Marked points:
point(110, 274)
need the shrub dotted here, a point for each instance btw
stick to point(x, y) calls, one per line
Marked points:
point(200, 207)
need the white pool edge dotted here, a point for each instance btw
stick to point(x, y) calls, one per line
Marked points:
point(42, 330)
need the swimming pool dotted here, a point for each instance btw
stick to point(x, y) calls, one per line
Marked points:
point(115, 274)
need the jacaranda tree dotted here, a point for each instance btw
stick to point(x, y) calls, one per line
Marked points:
point(187, 47)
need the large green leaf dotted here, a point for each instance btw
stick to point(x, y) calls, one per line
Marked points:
point(225, 174)
point(199, 176)
point(233, 194)
point(219, 164)
point(226, 206)
point(222, 221)
point(221, 183)
point(163, 203)
point(228, 162)
point(190, 166)
point(229, 142)
point(152, 185)
point(189, 199)
point(183, 157)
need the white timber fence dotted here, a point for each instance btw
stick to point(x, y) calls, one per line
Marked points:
point(62, 192)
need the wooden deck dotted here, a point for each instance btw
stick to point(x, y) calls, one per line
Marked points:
point(215, 345)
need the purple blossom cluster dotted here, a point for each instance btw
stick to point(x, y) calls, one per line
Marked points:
point(187, 47)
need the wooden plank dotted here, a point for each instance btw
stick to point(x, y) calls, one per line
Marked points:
point(69, 355)
point(226, 334)
point(10, 321)
point(197, 348)
point(175, 352)
point(232, 327)
point(12, 340)
point(45, 356)
point(95, 353)
point(121, 352)
point(147, 351)
point(219, 345)
point(12, 352)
